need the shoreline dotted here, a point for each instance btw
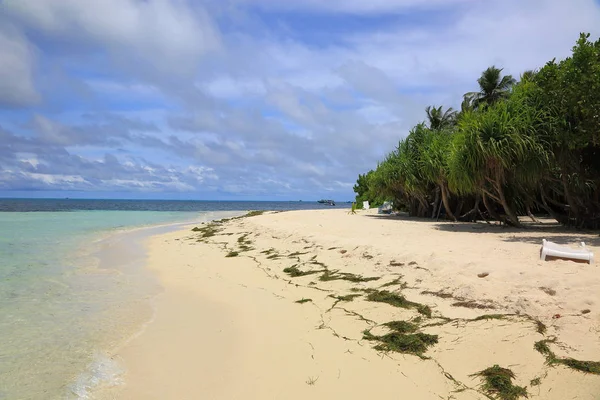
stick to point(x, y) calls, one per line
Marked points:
point(210, 336)
point(123, 252)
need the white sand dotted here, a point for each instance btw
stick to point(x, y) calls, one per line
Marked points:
point(229, 328)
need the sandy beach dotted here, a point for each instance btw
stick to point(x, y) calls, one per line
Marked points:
point(231, 324)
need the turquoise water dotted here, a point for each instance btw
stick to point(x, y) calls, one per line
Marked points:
point(61, 307)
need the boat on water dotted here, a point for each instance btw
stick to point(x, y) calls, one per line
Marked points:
point(327, 202)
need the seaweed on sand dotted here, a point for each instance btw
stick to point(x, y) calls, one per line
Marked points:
point(497, 381)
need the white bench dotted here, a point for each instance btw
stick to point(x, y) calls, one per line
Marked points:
point(555, 250)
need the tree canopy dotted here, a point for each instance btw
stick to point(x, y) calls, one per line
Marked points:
point(515, 149)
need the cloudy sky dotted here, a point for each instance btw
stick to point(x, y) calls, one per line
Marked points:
point(244, 99)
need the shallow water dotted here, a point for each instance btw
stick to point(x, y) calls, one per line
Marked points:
point(59, 306)
point(72, 286)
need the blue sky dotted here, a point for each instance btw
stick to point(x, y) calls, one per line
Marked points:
point(244, 99)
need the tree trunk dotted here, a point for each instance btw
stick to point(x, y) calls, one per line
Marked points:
point(459, 207)
point(412, 207)
point(473, 211)
point(570, 200)
point(533, 218)
point(489, 208)
point(436, 202)
point(549, 210)
point(512, 217)
point(446, 201)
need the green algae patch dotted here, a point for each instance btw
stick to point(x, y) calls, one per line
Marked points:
point(497, 382)
point(397, 300)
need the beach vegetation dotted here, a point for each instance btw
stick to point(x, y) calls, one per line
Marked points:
point(543, 348)
point(473, 304)
point(498, 382)
point(254, 213)
point(398, 281)
point(441, 294)
point(244, 243)
point(232, 254)
point(397, 300)
point(402, 326)
point(312, 380)
point(516, 149)
point(486, 317)
point(207, 231)
point(540, 327)
point(353, 208)
point(268, 251)
point(347, 297)
point(402, 338)
point(297, 253)
point(303, 300)
point(329, 275)
point(295, 272)
point(590, 367)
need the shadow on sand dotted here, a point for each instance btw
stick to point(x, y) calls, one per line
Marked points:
point(547, 229)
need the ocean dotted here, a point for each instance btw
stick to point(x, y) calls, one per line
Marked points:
point(73, 286)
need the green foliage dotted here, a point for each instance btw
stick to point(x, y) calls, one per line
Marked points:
point(302, 301)
point(207, 231)
point(497, 381)
point(402, 342)
point(591, 367)
point(254, 213)
point(402, 326)
point(295, 272)
point(493, 87)
point(438, 119)
point(347, 297)
point(489, 316)
point(397, 300)
point(515, 148)
point(366, 190)
point(346, 276)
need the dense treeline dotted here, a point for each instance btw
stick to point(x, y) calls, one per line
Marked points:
point(514, 149)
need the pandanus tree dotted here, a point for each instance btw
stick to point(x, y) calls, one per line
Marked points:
point(516, 147)
point(416, 186)
point(494, 152)
point(493, 87)
point(433, 163)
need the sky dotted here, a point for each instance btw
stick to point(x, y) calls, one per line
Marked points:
point(244, 99)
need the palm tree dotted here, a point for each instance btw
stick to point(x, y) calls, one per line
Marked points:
point(438, 119)
point(492, 88)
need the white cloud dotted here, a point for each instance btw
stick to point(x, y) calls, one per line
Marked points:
point(225, 87)
point(168, 36)
point(352, 6)
point(513, 34)
point(259, 107)
point(16, 70)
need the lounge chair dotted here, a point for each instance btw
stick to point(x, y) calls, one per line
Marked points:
point(555, 250)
